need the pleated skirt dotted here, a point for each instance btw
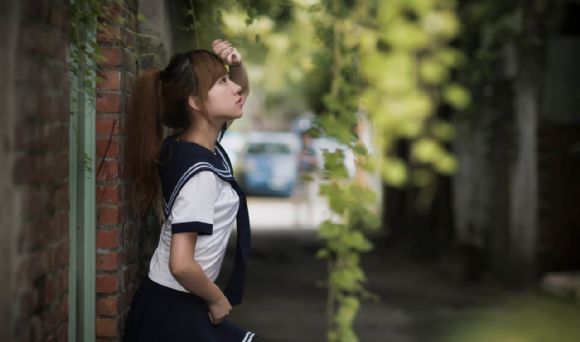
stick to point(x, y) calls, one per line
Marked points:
point(162, 314)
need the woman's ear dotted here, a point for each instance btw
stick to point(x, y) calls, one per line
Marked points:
point(193, 102)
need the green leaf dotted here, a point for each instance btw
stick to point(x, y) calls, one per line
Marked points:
point(322, 253)
point(315, 8)
point(329, 229)
point(457, 96)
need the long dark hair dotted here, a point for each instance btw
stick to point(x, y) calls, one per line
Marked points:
point(160, 98)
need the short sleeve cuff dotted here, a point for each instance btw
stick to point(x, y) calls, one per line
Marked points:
point(188, 227)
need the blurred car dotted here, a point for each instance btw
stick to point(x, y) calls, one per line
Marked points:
point(233, 142)
point(270, 164)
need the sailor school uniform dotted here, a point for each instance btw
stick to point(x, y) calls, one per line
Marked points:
point(200, 195)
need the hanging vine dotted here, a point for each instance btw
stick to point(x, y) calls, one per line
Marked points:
point(392, 63)
point(87, 18)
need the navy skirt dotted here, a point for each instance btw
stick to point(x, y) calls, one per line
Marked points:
point(161, 314)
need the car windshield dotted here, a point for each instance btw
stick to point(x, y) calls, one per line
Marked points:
point(268, 148)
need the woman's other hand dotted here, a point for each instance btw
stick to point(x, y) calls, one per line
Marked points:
point(228, 54)
point(219, 310)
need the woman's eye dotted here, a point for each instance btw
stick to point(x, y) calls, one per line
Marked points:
point(224, 79)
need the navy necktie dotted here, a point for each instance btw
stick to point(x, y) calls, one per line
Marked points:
point(235, 287)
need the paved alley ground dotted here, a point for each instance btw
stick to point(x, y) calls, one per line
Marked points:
point(420, 300)
point(284, 301)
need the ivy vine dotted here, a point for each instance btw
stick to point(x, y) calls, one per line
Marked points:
point(392, 63)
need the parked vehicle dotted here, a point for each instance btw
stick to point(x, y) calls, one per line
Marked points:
point(234, 142)
point(270, 164)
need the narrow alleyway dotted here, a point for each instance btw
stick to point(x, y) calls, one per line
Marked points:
point(284, 301)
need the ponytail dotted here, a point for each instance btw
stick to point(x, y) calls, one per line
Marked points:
point(144, 137)
point(159, 99)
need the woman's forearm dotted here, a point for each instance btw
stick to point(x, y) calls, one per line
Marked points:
point(187, 271)
point(239, 75)
point(192, 277)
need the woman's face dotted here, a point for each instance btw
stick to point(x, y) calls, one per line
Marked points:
point(224, 100)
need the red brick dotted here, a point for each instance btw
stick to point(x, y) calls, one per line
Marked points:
point(61, 194)
point(62, 254)
point(113, 56)
point(34, 328)
point(40, 200)
point(109, 34)
point(107, 239)
point(106, 327)
point(107, 148)
point(112, 10)
point(39, 236)
point(107, 124)
point(62, 333)
point(130, 276)
point(109, 261)
point(109, 170)
point(48, 259)
point(29, 303)
point(108, 103)
point(108, 194)
point(25, 169)
point(111, 80)
point(107, 283)
point(109, 215)
point(49, 289)
point(64, 222)
point(108, 306)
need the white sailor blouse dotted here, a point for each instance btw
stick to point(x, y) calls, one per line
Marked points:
point(200, 194)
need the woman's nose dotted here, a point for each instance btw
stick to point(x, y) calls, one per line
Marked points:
point(236, 87)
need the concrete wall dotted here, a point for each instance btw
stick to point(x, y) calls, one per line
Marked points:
point(495, 190)
point(516, 190)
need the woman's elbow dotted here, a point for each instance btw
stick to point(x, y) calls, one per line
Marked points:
point(177, 268)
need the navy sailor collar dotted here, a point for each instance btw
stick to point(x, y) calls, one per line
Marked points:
point(181, 160)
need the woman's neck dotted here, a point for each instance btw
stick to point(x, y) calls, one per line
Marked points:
point(201, 133)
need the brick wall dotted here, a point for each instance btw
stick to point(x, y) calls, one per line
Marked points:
point(116, 232)
point(39, 173)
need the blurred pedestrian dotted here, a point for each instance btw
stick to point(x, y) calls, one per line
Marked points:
point(306, 190)
point(189, 174)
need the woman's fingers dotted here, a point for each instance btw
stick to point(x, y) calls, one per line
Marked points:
point(220, 46)
point(213, 320)
point(226, 52)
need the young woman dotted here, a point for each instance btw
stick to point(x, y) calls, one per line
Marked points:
point(191, 174)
